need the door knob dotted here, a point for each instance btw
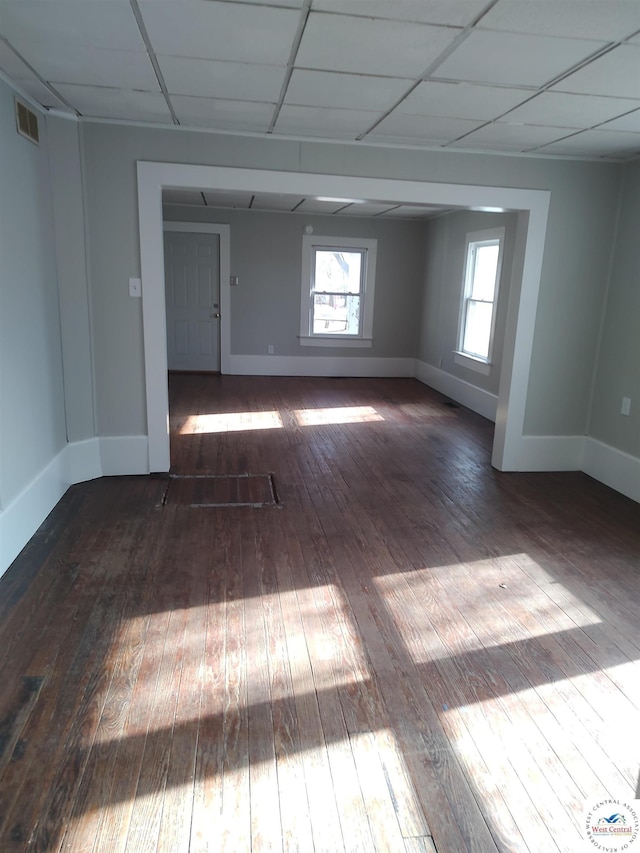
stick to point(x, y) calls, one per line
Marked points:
point(215, 316)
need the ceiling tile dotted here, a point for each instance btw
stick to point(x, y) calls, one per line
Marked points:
point(510, 137)
point(219, 198)
point(92, 67)
point(231, 80)
point(70, 23)
point(462, 100)
point(223, 115)
point(367, 208)
point(356, 91)
point(323, 122)
point(570, 18)
point(421, 129)
point(314, 205)
point(97, 102)
point(629, 122)
point(43, 95)
point(596, 142)
point(558, 109)
point(191, 197)
point(455, 13)
point(617, 73)
point(512, 59)
point(407, 211)
point(274, 201)
point(228, 31)
point(370, 46)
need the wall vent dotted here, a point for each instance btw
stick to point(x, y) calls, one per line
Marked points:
point(27, 122)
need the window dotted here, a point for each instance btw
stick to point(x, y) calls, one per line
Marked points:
point(480, 293)
point(338, 280)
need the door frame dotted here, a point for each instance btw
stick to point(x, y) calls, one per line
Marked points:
point(509, 446)
point(224, 235)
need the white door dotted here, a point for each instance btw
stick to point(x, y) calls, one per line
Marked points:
point(192, 285)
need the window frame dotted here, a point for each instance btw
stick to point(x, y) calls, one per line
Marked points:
point(368, 247)
point(473, 239)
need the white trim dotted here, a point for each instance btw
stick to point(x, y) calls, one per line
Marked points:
point(224, 233)
point(614, 468)
point(83, 461)
point(522, 305)
point(287, 365)
point(477, 399)
point(552, 453)
point(124, 454)
point(333, 341)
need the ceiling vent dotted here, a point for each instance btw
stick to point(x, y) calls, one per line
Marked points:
point(27, 122)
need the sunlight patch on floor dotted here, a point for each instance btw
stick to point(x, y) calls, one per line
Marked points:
point(339, 415)
point(231, 422)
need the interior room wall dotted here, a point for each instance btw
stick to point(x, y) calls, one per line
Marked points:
point(266, 255)
point(618, 371)
point(581, 227)
point(32, 416)
point(444, 270)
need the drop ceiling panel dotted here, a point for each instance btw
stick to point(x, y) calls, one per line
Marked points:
point(368, 208)
point(212, 30)
point(70, 23)
point(370, 46)
point(513, 59)
point(422, 129)
point(117, 103)
point(563, 110)
point(212, 79)
point(218, 198)
point(223, 115)
point(515, 137)
point(275, 201)
point(323, 122)
point(12, 65)
point(609, 21)
point(120, 69)
point(190, 197)
point(617, 73)
point(313, 205)
point(455, 13)
point(407, 211)
point(44, 96)
point(330, 89)
point(629, 122)
point(462, 100)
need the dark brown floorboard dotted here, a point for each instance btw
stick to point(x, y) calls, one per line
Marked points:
point(409, 651)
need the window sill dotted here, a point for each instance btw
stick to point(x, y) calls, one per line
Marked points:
point(476, 364)
point(333, 341)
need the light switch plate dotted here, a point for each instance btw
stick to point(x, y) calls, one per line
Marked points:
point(135, 287)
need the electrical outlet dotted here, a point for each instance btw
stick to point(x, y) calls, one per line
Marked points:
point(626, 406)
point(270, 349)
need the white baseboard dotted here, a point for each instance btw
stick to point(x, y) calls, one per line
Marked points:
point(551, 453)
point(613, 467)
point(82, 459)
point(24, 515)
point(290, 365)
point(124, 454)
point(476, 399)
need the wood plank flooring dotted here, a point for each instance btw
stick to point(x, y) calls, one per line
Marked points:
point(408, 652)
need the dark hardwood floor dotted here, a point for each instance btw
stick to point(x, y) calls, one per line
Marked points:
point(378, 644)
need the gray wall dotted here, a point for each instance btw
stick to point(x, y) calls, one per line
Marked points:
point(266, 254)
point(618, 373)
point(32, 417)
point(444, 269)
point(574, 274)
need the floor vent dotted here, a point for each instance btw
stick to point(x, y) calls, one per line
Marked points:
point(205, 490)
point(27, 122)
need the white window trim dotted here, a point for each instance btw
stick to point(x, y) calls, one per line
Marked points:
point(476, 362)
point(365, 338)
